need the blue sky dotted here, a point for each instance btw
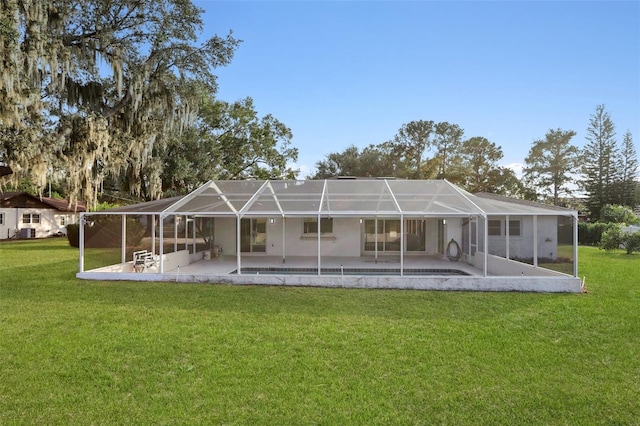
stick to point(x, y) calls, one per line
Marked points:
point(342, 73)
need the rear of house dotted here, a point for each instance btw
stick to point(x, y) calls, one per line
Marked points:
point(371, 233)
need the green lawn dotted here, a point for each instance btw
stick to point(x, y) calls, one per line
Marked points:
point(87, 352)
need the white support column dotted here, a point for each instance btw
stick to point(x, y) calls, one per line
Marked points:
point(238, 264)
point(123, 243)
point(376, 238)
point(175, 233)
point(575, 245)
point(486, 246)
point(319, 247)
point(506, 233)
point(535, 241)
point(161, 246)
point(469, 254)
point(193, 229)
point(81, 242)
point(283, 239)
point(401, 245)
point(186, 232)
point(153, 234)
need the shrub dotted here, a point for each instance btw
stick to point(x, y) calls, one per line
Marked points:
point(73, 234)
point(106, 231)
point(631, 241)
point(590, 234)
point(611, 239)
point(614, 238)
point(618, 214)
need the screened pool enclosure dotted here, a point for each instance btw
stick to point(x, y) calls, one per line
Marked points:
point(374, 233)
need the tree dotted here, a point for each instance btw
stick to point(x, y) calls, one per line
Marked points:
point(228, 141)
point(618, 214)
point(550, 162)
point(249, 146)
point(628, 171)
point(92, 86)
point(599, 162)
point(446, 142)
point(372, 161)
point(410, 145)
point(478, 170)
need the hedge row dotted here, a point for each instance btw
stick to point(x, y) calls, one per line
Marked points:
point(590, 234)
point(106, 231)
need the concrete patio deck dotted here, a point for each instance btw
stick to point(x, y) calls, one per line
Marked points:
point(367, 274)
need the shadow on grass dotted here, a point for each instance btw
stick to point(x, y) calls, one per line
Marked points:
point(28, 245)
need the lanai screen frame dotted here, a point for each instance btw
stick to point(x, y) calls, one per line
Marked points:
point(331, 198)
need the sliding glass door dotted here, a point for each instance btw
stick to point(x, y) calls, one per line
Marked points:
point(253, 235)
point(386, 233)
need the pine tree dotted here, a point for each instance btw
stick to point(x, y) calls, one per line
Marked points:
point(628, 168)
point(600, 161)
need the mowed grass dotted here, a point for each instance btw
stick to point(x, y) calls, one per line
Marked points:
point(89, 352)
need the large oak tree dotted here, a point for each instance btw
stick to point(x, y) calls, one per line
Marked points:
point(89, 87)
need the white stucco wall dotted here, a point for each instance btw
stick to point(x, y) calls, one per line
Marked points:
point(522, 246)
point(347, 237)
point(225, 234)
point(345, 240)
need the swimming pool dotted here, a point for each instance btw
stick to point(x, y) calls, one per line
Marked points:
point(349, 271)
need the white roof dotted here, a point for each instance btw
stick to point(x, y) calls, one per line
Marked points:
point(335, 198)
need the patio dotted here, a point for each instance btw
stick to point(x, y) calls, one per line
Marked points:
point(420, 272)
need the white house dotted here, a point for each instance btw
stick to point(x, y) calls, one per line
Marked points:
point(26, 216)
point(382, 233)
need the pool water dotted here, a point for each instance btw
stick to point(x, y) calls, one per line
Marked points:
point(348, 271)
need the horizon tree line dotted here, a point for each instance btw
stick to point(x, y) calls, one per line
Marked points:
point(101, 98)
point(606, 171)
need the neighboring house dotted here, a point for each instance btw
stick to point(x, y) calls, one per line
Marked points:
point(26, 216)
point(349, 233)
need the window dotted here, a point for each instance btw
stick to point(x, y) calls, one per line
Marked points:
point(30, 218)
point(63, 221)
point(497, 228)
point(1, 218)
point(310, 226)
point(514, 228)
